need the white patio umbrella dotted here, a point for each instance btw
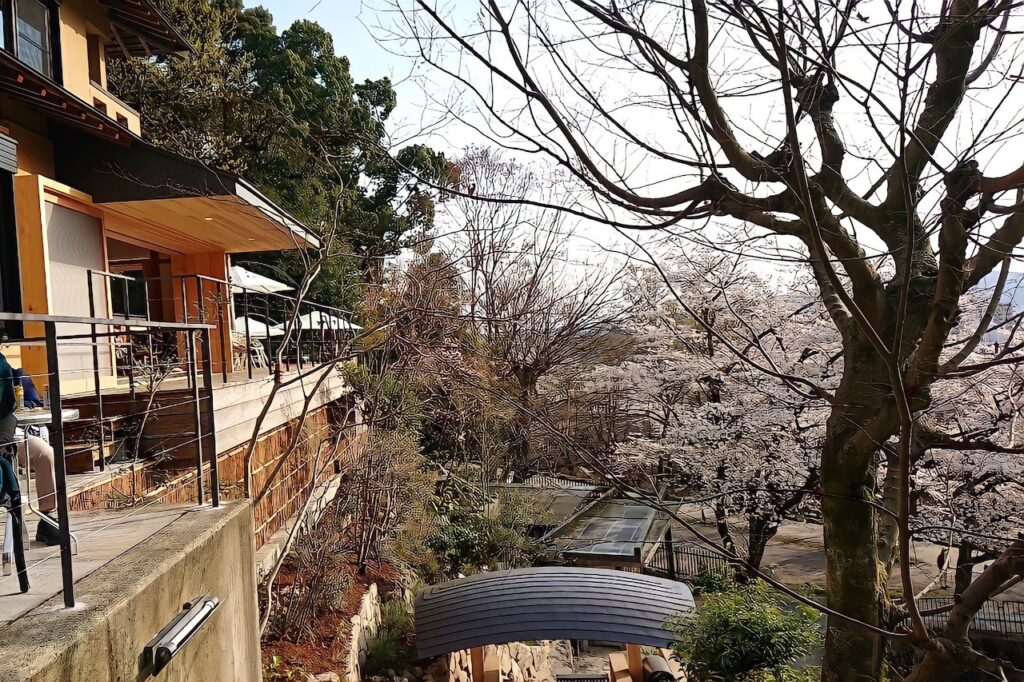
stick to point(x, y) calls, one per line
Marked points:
point(247, 280)
point(257, 328)
point(320, 320)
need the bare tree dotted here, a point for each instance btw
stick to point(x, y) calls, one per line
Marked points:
point(529, 307)
point(834, 141)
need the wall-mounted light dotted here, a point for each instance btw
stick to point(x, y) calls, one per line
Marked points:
point(169, 641)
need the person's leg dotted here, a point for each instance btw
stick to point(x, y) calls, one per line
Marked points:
point(8, 425)
point(38, 452)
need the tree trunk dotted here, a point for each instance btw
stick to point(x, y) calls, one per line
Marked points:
point(760, 532)
point(722, 526)
point(853, 579)
point(964, 567)
point(854, 576)
point(521, 459)
point(968, 556)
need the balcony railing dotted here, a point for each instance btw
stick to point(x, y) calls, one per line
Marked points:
point(62, 338)
point(251, 337)
point(112, 363)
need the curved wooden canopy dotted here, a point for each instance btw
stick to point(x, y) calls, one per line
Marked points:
point(547, 603)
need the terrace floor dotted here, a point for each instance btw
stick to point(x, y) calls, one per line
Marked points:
point(102, 537)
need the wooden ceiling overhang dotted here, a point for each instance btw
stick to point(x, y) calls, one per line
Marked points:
point(172, 203)
point(200, 224)
point(175, 203)
point(139, 29)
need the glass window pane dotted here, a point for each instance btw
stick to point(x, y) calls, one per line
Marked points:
point(34, 35)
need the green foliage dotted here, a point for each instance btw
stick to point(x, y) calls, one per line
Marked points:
point(283, 110)
point(708, 581)
point(389, 649)
point(381, 654)
point(811, 673)
point(472, 537)
point(276, 670)
point(388, 491)
point(746, 630)
point(389, 401)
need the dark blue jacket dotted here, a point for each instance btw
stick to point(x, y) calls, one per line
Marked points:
point(7, 402)
point(31, 398)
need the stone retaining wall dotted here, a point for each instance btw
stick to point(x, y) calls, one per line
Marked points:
point(517, 662)
point(364, 626)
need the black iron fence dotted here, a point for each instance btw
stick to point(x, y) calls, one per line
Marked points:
point(1002, 617)
point(680, 560)
point(683, 560)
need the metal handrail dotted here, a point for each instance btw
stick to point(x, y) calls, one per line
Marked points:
point(147, 327)
point(226, 289)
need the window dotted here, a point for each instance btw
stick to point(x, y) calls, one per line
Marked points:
point(136, 294)
point(35, 35)
point(95, 45)
point(30, 29)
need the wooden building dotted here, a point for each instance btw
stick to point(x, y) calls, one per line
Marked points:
point(85, 201)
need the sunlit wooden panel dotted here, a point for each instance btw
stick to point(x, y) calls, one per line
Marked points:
point(202, 224)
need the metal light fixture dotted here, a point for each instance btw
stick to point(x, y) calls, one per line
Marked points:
point(176, 634)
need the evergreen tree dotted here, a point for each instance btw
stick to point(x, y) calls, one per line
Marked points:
point(282, 110)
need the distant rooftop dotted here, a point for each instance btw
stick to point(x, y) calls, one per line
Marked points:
point(615, 529)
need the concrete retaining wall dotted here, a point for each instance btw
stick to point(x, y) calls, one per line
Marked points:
point(125, 603)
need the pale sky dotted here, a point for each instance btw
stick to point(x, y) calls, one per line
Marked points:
point(351, 23)
point(342, 19)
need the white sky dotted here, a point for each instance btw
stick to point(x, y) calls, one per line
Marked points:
point(757, 118)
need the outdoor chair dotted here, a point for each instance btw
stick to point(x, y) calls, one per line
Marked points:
point(238, 352)
point(259, 356)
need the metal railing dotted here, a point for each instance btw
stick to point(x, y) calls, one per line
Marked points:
point(58, 330)
point(1003, 617)
point(204, 299)
point(308, 344)
point(680, 560)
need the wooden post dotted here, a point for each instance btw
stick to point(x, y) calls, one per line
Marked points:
point(491, 668)
point(476, 660)
point(635, 658)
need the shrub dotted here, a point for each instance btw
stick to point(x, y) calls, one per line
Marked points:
point(473, 536)
point(745, 630)
point(389, 649)
point(708, 581)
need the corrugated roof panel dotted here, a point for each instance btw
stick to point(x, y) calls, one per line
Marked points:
point(547, 603)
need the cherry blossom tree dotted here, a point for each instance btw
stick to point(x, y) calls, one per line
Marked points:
point(863, 143)
point(729, 436)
